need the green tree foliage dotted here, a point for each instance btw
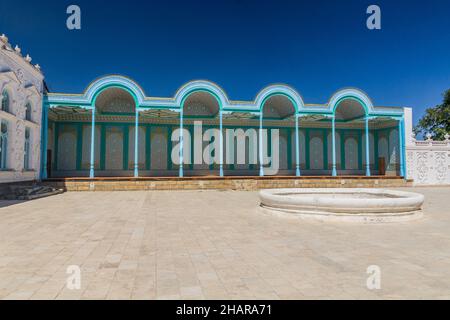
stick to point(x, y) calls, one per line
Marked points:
point(436, 121)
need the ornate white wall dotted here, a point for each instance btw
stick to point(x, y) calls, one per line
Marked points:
point(24, 83)
point(428, 162)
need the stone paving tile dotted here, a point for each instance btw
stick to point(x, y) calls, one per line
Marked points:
point(214, 245)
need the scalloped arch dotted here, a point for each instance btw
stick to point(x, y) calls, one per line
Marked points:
point(281, 89)
point(125, 83)
point(350, 93)
point(201, 86)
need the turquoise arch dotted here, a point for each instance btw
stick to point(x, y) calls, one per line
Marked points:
point(87, 99)
point(280, 90)
point(351, 94)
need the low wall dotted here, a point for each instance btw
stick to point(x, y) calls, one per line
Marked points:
point(235, 183)
point(428, 162)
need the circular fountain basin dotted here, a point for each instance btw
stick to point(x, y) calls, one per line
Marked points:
point(363, 205)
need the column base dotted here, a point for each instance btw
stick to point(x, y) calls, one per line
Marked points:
point(261, 171)
point(221, 170)
point(368, 172)
point(297, 172)
point(136, 172)
point(334, 172)
point(91, 173)
point(180, 172)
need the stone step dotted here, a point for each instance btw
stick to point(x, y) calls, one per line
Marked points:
point(247, 184)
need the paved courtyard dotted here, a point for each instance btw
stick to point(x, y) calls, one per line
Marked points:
point(214, 245)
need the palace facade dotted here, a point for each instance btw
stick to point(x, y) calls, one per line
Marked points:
point(113, 129)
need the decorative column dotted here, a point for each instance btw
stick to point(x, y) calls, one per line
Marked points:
point(220, 143)
point(180, 174)
point(333, 145)
point(136, 146)
point(261, 168)
point(91, 167)
point(44, 134)
point(367, 148)
point(400, 146)
point(297, 148)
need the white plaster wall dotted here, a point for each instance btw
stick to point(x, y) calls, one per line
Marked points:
point(24, 84)
point(428, 162)
point(408, 126)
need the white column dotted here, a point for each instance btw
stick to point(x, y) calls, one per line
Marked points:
point(333, 145)
point(367, 148)
point(297, 148)
point(180, 173)
point(401, 146)
point(91, 166)
point(261, 168)
point(221, 143)
point(136, 145)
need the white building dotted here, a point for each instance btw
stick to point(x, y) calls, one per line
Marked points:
point(21, 92)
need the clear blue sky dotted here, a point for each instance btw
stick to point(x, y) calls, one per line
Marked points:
point(315, 46)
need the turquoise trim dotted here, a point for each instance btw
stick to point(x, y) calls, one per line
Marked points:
point(88, 98)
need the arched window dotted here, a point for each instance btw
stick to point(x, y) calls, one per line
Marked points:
point(3, 144)
point(5, 101)
point(26, 155)
point(28, 111)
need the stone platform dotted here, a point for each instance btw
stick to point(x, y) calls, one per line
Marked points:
point(248, 183)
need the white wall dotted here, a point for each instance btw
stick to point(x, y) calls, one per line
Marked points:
point(428, 162)
point(24, 83)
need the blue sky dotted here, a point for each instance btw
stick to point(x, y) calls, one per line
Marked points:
point(317, 47)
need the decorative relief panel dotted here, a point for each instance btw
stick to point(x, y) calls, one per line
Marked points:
point(428, 162)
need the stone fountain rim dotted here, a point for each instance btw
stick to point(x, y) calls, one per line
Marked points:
point(401, 205)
